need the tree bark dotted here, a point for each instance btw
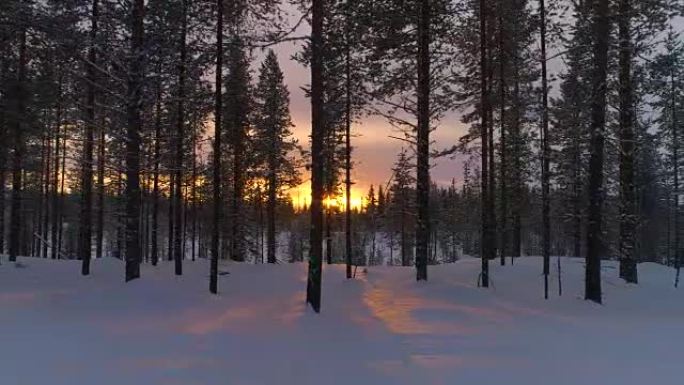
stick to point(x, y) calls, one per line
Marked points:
point(313, 295)
point(20, 94)
point(601, 30)
point(484, 133)
point(628, 215)
point(216, 176)
point(546, 207)
point(180, 137)
point(423, 143)
point(133, 144)
point(86, 219)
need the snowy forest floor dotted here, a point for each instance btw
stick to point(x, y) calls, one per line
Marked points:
point(57, 327)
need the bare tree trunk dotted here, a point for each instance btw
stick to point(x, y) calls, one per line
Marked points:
point(4, 139)
point(484, 133)
point(423, 143)
point(180, 137)
point(601, 30)
point(20, 94)
point(133, 144)
point(101, 161)
point(155, 177)
point(218, 109)
point(45, 226)
point(86, 219)
point(272, 203)
point(517, 164)
point(193, 197)
point(347, 165)
point(628, 215)
point(56, 211)
point(318, 171)
point(675, 171)
point(503, 168)
point(546, 225)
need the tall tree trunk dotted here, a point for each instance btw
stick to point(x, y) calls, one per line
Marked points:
point(46, 193)
point(546, 225)
point(133, 144)
point(601, 30)
point(517, 163)
point(628, 215)
point(484, 133)
point(193, 197)
point(347, 165)
point(423, 143)
point(313, 294)
point(86, 219)
point(101, 161)
point(4, 141)
point(18, 153)
point(155, 177)
point(62, 189)
point(503, 168)
point(56, 212)
point(171, 217)
point(216, 176)
point(272, 201)
point(675, 172)
point(328, 233)
point(180, 137)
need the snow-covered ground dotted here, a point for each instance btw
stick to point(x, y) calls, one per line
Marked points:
point(57, 327)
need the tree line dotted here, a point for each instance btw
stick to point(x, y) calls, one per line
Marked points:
point(138, 129)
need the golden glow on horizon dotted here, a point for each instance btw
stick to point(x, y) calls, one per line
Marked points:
point(301, 198)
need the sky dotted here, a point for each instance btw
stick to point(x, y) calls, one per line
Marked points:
point(374, 152)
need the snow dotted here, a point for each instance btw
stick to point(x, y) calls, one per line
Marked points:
point(57, 327)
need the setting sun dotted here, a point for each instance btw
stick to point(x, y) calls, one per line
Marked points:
point(301, 198)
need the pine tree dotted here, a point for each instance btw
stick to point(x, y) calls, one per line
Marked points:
point(274, 142)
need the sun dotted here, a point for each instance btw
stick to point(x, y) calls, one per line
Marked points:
point(301, 198)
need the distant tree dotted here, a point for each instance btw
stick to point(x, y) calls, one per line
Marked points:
point(274, 142)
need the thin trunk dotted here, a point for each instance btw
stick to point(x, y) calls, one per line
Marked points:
point(216, 176)
point(18, 154)
point(313, 294)
point(347, 166)
point(55, 188)
point(193, 197)
point(133, 144)
point(484, 133)
point(517, 145)
point(62, 190)
point(102, 150)
point(180, 137)
point(46, 193)
point(628, 215)
point(86, 219)
point(423, 143)
point(272, 202)
point(172, 206)
point(503, 248)
point(601, 30)
point(546, 225)
point(155, 177)
point(675, 171)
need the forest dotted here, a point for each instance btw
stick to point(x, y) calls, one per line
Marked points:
point(148, 152)
point(146, 131)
